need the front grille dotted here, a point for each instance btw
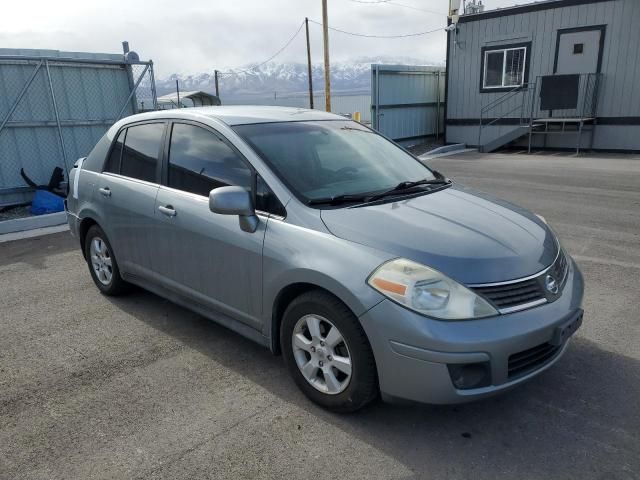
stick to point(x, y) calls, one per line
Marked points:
point(513, 294)
point(518, 295)
point(526, 361)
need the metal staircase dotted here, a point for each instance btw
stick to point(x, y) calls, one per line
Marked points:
point(508, 113)
point(525, 111)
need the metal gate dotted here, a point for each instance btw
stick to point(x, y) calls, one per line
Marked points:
point(55, 106)
point(407, 101)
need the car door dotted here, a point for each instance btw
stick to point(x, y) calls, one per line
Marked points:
point(206, 256)
point(127, 191)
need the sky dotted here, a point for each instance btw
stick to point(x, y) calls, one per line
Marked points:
point(193, 36)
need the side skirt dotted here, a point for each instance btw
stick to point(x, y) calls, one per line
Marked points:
point(218, 317)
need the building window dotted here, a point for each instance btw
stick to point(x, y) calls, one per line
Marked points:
point(504, 68)
point(578, 48)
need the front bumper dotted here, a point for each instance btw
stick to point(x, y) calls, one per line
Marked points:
point(413, 352)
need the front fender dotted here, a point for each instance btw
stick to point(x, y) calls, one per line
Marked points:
point(295, 255)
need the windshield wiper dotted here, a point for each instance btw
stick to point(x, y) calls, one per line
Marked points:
point(404, 186)
point(362, 198)
point(338, 200)
point(356, 129)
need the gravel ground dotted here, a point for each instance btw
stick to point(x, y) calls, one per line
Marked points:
point(135, 387)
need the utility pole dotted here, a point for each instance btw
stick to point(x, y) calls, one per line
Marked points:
point(327, 72)
point(306, 24)
point(215, 75)
point(178, 92)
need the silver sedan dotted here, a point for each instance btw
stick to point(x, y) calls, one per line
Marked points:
point(323, 241)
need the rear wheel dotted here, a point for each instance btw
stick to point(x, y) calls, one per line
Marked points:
point(102, 263)
point(328, 353)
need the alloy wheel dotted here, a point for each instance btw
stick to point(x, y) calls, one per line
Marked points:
point(101, 260)
point(322, 354)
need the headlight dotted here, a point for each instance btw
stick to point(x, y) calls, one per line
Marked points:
point(428, 291)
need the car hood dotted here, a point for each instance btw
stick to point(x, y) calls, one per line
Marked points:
point(472, 237)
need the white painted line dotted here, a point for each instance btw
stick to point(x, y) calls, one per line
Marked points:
point(36, 232)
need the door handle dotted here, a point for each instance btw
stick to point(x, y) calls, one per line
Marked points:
point(169, 211)
point(105, 191)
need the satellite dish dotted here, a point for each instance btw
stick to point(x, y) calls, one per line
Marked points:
point(131, 57)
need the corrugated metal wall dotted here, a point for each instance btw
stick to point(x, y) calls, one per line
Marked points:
point(407, 101)
point(619, 89)
point(90, 90)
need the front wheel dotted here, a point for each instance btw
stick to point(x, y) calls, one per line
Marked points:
point(328, 353)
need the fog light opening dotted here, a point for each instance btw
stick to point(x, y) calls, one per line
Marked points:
point(470, 375)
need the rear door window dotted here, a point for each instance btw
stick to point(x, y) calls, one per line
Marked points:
point(141, 149)
point(200, 161)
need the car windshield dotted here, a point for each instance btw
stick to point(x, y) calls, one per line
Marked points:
point(332, 158)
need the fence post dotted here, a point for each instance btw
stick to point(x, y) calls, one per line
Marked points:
point(55, 110)
point(377, 125)
point(438, 106)
point(129, 70)
point(154, 95)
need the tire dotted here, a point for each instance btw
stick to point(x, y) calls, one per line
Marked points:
point(103, 266)
point(323, 356)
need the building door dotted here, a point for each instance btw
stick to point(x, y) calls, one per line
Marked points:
point(579, 50)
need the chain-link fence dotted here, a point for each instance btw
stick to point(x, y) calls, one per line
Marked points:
point(54, 106)
point(145, 93)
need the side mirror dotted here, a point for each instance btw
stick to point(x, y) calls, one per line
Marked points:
point(234, 201)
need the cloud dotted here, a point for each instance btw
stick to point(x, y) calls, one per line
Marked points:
point(201, 35)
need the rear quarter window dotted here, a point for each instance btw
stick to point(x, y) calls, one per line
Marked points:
point(96, 158)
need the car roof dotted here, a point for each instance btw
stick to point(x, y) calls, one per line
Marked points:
point(241, 114)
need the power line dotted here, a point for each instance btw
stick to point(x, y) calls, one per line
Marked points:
point(416, 8)
point(397, 4)
point(248, 70)
point(379, 36)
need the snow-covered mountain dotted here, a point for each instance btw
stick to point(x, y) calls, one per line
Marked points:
point(282, 78)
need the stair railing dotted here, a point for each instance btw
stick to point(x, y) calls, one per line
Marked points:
point(520, 106)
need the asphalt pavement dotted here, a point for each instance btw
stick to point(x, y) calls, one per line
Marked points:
point(136, 387)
